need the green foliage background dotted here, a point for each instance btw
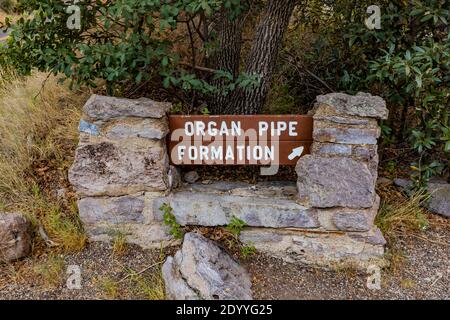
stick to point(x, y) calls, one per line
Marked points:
point(407, 62)
point(142, 44)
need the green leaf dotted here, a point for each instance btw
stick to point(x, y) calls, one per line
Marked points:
point(447, 146)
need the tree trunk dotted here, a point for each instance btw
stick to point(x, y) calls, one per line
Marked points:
point(263, 57)
point(226, 57)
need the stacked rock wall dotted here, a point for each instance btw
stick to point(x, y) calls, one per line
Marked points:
point(122, 176)
point(341, 171)
point(337, 181)
point(121, 165)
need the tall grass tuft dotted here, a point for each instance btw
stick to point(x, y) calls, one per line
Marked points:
point(402, 214)
point(38, 134)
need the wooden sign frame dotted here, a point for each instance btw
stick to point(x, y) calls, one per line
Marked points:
point(239, 139)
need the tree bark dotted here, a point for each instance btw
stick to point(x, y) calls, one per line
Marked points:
point(263, 57)
point(226, 57)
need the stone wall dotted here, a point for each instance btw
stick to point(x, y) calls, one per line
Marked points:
point(121, 165)
point(122, 176)
point(337, 182)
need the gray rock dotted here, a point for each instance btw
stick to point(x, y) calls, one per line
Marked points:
point(347, 120)
point(355, 219)
point(346, 135)
point(89, 128)
point(15, 236)
point(365, 152)
point(174, 177)
point(383, 181)
point(191, 177)
point(145, 235)
point(440, 199)
point(402, 183)
point(272, 189)
point(114, 210)
point(362, 105)
point(141, 128)
point(208, 209)
point(331, 149)
point(335, 182)
point(176, 286)
point(102, 108)
point(202, 270)
point(327, 250)
point(119, 168)
point(374, 237)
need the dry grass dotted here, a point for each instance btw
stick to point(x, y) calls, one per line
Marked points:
point(149, 285)
point(50, 271)
point(38, 130)
point(109, 288)
point(401, 214)
point(119, 245)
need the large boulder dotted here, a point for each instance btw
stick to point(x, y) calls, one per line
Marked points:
point(326, 182)
point(15, 237)
point(202, 270)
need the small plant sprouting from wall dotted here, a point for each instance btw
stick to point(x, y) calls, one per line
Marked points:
point(171, 221)
point(235, 227)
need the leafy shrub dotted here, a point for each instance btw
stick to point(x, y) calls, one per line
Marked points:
point(407, 62)
point(119, 41)
point(328, 48)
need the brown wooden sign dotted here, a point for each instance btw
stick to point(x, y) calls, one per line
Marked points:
point(239, 139)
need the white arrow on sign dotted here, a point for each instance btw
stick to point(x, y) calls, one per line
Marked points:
point(296, 152)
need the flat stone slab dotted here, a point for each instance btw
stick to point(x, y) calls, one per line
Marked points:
point(136, 128)
point(270, 205)
point(269, 189)
point(103, 108)
point(258, 205)
point(202, 270)
point(114, 210)
point(346, 135)
point(322, 249)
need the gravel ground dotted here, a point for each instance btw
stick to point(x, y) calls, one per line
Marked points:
point(103, 275)
point(423, 274)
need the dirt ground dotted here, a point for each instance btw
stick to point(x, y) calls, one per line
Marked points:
point(421, 271)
